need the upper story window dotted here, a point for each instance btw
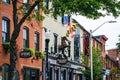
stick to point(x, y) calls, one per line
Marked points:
point(65, 19)
point(77, 45)
point(55, 43)
point(25, 37)
point(26, 6)
point(6, 1)
point(5, 30)
point(46, 4)
point(86, 43)
point(25, 1)
point(36, 41)
point(36, 12)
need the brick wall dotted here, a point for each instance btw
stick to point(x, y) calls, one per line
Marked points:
point(6, 11)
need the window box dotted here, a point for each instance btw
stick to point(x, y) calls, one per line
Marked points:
point(6, 47)
point(39, 54)
point(30, 50)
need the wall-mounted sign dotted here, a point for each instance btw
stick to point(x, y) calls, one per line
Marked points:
point(25, 54)
point(62, 59)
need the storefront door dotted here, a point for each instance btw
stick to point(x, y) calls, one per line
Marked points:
point(30, 73)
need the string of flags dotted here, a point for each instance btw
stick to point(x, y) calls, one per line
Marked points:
point(71, 30)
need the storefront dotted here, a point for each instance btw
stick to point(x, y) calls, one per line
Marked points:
point(68, 71)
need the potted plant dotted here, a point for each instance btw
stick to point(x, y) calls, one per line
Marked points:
point(30, 50)
point(39, 54)
point(6, 46)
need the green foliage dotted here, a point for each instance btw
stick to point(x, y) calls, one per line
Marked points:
point(84, 59)
point(118, 44)
point(97, 65)
point(89, 8)
point(30, 50)
point(6, 46)
point(39, 54)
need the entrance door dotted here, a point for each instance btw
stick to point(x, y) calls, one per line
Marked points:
point(30, 73)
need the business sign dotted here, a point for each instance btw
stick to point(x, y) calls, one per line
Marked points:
point(62, 59)
point(25, 54)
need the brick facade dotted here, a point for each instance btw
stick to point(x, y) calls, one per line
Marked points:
point(6, 11)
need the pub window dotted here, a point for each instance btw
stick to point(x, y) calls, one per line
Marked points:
point(51, 73)
point(25, 37)
point(55, 43)
point(5, 30)
point(63, 75)
point(57, 74)
point(5, 72)
point(6, 1)
point(36, 41)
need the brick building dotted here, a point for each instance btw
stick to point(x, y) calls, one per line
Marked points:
point(112, 63)
point(30, 37)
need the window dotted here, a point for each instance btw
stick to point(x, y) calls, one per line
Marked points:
point(25, 7)
point(5, 72)
point(57, 74)
point(51, 73)
point(36, 41)
point(25, 37)
point(55, 43)
point(65, 19)
point(46, 4)
point(5, 30)
point(63, 75)
point(6, 1)
point(25, 1)
point(31, 73)
point(37, 13)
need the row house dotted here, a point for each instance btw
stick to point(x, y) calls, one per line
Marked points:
point(77, 41)
point(113, 61)
point(68, 39)
point(84, 36)
point(61, 64)
point(29, 67)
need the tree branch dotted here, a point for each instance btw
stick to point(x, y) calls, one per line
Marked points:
point(28, 13)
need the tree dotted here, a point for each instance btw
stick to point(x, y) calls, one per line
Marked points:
point(97, 65)
point(22, 12)
point(89, 8)
point(118, 44)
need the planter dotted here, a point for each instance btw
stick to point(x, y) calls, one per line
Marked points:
point(39, 54)
point(30, 50)
point(6, 47)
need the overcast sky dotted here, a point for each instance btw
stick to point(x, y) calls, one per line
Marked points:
point(110, 30)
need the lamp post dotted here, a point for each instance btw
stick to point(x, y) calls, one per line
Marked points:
point(47, 39)
point(91, 61)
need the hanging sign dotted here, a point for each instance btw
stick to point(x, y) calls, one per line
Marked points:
point(62, 59)
point(25, 54)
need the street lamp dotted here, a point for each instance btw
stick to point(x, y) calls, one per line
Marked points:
point(47, 39)
point(91, 61)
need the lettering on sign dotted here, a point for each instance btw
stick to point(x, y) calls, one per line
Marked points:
point(62, 59)
point(25, 54)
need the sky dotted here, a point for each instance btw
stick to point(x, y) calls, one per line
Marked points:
point(110, 30)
